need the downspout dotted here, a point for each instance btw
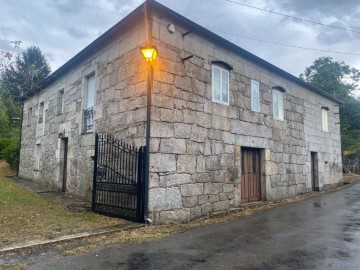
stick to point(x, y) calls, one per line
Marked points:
point(21, 128)
point(149, 77)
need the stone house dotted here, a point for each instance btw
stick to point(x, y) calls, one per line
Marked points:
point(227, 127)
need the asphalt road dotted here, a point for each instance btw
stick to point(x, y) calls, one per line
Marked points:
point(320, 233)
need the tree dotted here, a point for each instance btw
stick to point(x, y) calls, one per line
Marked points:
point(341, 81)
point(29, 69)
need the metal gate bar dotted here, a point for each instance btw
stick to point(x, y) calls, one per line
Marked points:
point(118, 184)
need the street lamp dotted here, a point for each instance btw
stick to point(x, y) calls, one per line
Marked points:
point(149, 54)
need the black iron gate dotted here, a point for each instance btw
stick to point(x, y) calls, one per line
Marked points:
point(118, 184)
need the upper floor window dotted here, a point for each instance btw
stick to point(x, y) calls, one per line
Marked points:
point(29, 116)
point(255, 96)
point(41, 113)
point(90, 102)
point(220, 85)
point(278, 103)
point(325, 119)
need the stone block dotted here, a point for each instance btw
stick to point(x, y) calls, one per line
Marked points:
point(175, 216)
point(203, 199)
point(214, 198)
point(199, 134)
point(162, 163)
point(192, 189)
point(200, 164)
point(164, 199)
point(221, 205)
point(190, 201)
point(173, 146)
point(195, 212)
point(228, 138)
point(182, 130)
point(176, 179)
point(213, 188)
point(186, 163)
point(212, 163)
point(162, 130)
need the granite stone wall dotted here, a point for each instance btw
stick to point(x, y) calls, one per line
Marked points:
point(120, 110)
point(196, 143)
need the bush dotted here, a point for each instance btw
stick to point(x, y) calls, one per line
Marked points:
point(4, 142)
point(11, 152)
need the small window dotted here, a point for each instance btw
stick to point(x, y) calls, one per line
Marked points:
point(29, 117)
point(37, 157)
point(278, 105)
point(41, 113)
point(325, 119)
point(255, 96)
point(61, 102)
point(89, 111)
point(220, 85)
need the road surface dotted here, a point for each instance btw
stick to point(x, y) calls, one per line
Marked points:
point(319, 233)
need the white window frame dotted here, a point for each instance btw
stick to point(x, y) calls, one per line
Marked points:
point(90, 103)
point(325, 119)
point(29, 116)
point(41, 112)
point(255, 96)
point(278, 104)
point(221, 70)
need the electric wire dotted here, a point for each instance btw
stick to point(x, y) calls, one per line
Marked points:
point(295, 18)
point(286, 45)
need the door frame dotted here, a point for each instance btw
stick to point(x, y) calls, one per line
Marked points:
point(261, 173)
point(314, 171)
point(65, 143)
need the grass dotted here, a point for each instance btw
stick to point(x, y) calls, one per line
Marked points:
point(27, 216)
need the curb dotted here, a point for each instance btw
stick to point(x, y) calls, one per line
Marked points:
point(70, 237)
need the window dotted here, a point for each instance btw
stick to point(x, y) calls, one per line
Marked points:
point(255, 96)
point(90, 101)
point(41, 112)
point(220, 85)
point(325, 121)
point(29, 117)
point(37, 157)
point(278, 105)
point(61, 102)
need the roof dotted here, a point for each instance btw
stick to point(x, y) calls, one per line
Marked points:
point(194, 27)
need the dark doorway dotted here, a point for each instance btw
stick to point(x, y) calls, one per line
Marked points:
point(314, 172)
point(250, 175)
point(65, 151)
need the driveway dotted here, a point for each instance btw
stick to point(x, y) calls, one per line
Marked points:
point(319, 233)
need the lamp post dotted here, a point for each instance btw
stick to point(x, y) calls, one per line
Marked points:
point(149, 54)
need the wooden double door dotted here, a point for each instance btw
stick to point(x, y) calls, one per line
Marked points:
point(250, 175)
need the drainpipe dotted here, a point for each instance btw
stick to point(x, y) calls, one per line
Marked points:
point(147, 153)
point(21, 127)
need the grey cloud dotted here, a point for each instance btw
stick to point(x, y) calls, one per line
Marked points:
point(76, 33)
point(324, 7)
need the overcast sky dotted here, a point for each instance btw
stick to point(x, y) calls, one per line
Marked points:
point(61, 28)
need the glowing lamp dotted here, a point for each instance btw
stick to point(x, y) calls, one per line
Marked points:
point(149, 53)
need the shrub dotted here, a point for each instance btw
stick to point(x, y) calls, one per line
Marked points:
point(4, 142)
point(11, 153)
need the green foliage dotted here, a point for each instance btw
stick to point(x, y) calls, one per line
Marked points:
point(341, 81)
point(10, 151)
point(28, 70)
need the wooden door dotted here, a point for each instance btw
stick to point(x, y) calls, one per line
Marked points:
point(65, 141)
point(313, 174)
point(250, 175)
